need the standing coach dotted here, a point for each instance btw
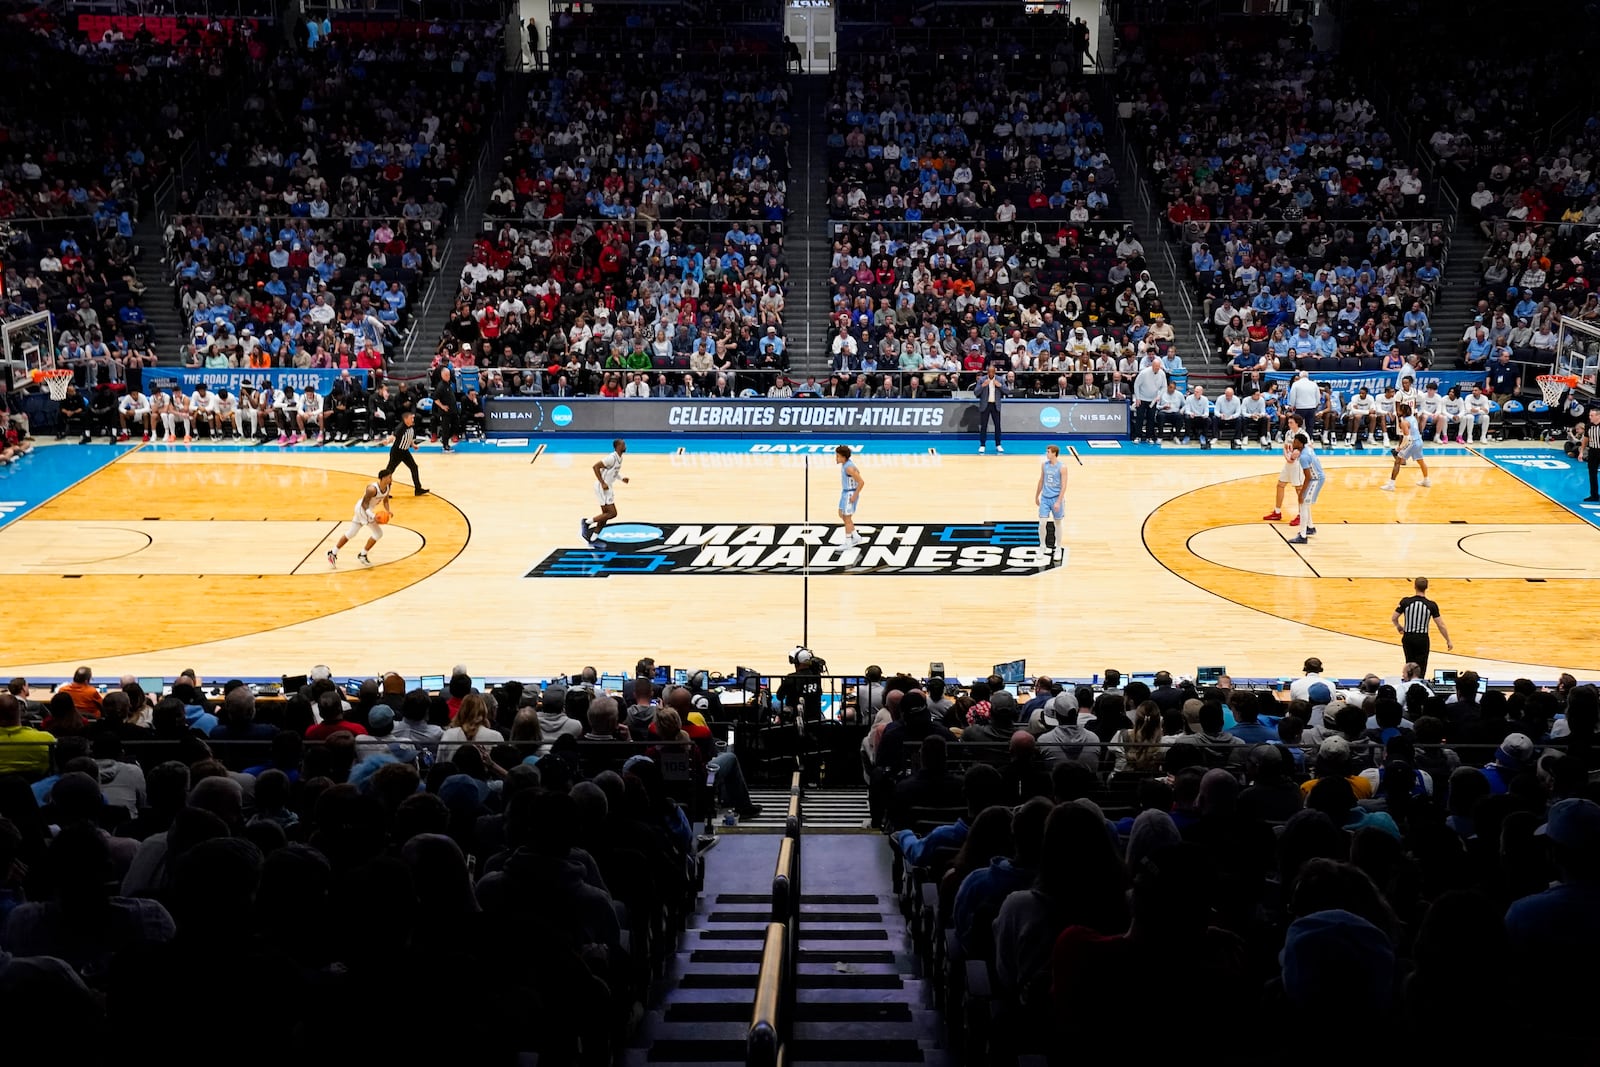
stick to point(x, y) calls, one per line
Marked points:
point(1412, 618)
point(991, 393)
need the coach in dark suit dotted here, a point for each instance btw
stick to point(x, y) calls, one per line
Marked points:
point(991, 393)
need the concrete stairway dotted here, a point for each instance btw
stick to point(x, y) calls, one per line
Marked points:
point(160, 300)
point(858, 1000)
point(439, 298)
point(1164, 259)
point(808, 242)
point(1453, 307)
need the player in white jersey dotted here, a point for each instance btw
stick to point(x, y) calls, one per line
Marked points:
point(1450, 409)
point(1430, 412)
point(374, 502)
point(1407, 394)
point(203, 406)
point(607, 473)
point(227, 414)
point(1386, 416)
point(249, 411)
point(1049, 495)
point(282, 405)
point(135, 409)
point(181, 414)
point(311, 413)
point(1361, 418)
point(1410, 447)
point(1474, 416)
point(161, 416)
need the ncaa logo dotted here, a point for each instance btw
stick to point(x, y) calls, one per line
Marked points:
point(1050, 418)
point(561, 415)
point(631, 533)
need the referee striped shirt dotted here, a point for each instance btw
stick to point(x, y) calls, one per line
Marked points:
point(407, 439)
point(1417, 612)
point(1591, 434)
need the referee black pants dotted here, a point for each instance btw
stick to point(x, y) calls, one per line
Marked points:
point(1593, 459)
point(399, 456)
point(1416, 648)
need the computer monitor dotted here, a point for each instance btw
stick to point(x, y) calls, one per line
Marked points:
point(481, 684)
point(663, 676)
point(1013, 672)
point(1147, 677)
point(433, 683)
point(1204, 676)
point(680, 676)
point(1444, 677)
point(155, 687)
point(612, 683)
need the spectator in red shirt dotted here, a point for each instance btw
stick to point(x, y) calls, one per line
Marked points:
point(330, 706)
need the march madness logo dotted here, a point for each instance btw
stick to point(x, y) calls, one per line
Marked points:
point(997, 548)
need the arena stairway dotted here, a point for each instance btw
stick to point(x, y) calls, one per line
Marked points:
point(159, 302)
point(1458, 291)
point(1137, 202)
point(859, 999)
point(808, 239)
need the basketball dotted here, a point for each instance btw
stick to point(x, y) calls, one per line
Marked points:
point(36, 376)
point(383, 518)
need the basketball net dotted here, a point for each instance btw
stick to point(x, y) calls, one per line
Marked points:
point(57, 381)
point(1551, 386)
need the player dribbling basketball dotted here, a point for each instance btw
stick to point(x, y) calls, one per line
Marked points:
point(1410, 447)
point(373, 502)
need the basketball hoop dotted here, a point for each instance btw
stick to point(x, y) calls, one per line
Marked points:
point(56, 381)
point(1551, 386)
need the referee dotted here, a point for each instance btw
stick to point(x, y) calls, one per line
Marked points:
point(400, 452)
point(1589, 452)
point(1411, 618)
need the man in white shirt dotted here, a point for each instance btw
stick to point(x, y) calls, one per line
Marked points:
point(134, 408)
point(227, 414)
point(1474, 415)
point(1225, 418)
point(844, 350)
point(1149, 385)
point(1197, 416)
point(311, 413)
point(203, 409)
point(1300, 688)
point(1256, 422)
point(1361, 417)
point(1170, 406)
point(1304, 398)
point(637, 387)
point(1430, 411)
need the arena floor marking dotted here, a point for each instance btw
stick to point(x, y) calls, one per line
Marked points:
point(1555, 475)
point(48, 471)
point(720, 552)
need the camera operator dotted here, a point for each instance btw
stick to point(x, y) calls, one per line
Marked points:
point(800, 694)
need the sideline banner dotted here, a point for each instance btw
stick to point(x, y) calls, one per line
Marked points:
point(1348, 382)
point(288, 379)
point(527, 416)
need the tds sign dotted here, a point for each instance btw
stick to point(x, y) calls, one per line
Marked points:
point(998, 548)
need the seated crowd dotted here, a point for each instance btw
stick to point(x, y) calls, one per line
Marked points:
point(1056, 307)
point(917, 135)
point(305, 241)
point(74, 175)
point(143, 834)
point(1288, 208)
point(1368, 847)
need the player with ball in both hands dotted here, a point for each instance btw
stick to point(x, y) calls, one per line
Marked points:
point(372, 512)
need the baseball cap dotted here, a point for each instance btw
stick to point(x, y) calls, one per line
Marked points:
point(1334, 748)
point(1516, 749)
point(1336, 956)
point(1319, 693)
point(1573, 823)
point(380, 719)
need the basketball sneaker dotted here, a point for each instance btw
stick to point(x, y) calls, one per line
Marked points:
point(1295, 521)
point(1275, 516)
point(1426, 482)
point(333, 558)
point(1301, 540)
point(187, 439)
point(1387, 487)
point(362, 556)
point(583, 530)
point(147, 438)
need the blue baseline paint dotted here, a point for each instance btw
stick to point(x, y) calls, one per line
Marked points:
point(1550, 472)
point(47, 471)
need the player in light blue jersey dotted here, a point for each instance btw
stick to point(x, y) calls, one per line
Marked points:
point(1048, 495)
point(1410, 447)
point(850, 486)
point(1310, 487)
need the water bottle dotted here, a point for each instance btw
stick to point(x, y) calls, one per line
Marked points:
point(1096, 680)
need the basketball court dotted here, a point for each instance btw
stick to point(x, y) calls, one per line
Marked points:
point(151, 559)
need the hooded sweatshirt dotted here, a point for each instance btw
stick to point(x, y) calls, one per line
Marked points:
point(122, 784)
point(556, 724)
point(1069, 741)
